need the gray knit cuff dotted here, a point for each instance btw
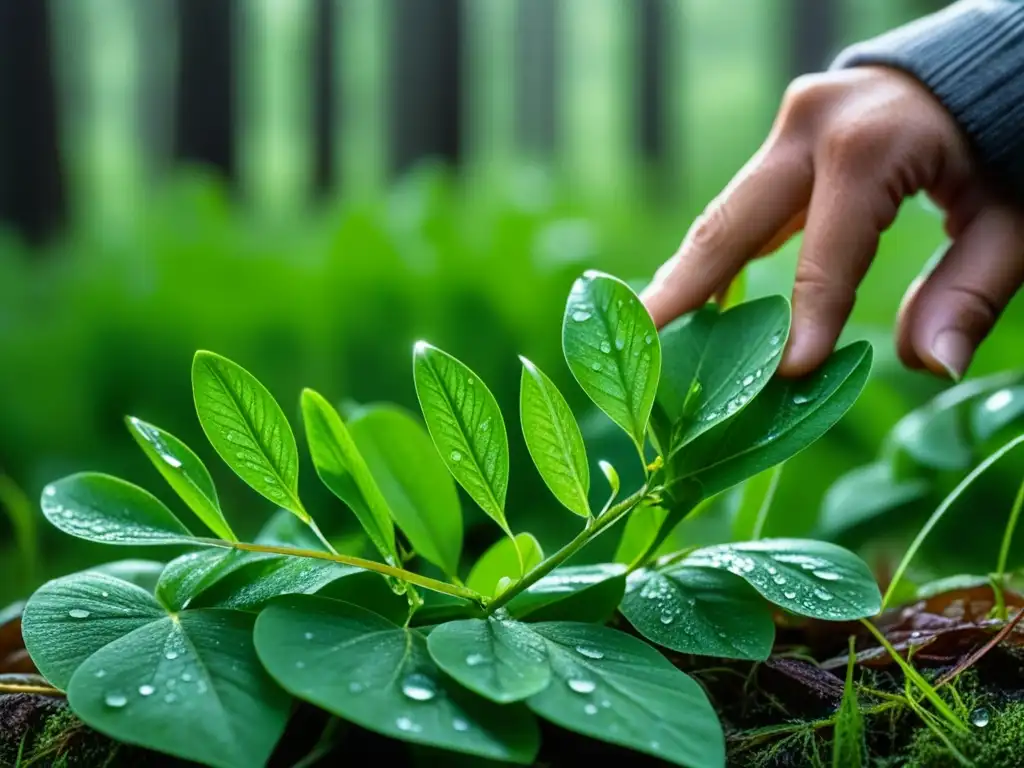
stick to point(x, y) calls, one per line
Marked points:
point(971, 56)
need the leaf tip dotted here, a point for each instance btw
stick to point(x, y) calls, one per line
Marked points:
point(421, 348)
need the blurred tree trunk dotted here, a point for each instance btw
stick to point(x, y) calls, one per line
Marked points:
point(814, 34)
point(425, 82)
point(205, 116)
point(31, 193)
point(537, 82)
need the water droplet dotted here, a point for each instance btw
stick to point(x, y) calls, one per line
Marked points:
point(309, 635)
point(980, 717)
point(171, 460)
point(146, 690)
point(827, 575)
point(78, 613)
point(802, 399)
point(582, 686)
point(185, 678)
point(655, 745)
point(667, 618)
point(419, 687)
point(620, 342)
point(595, 366)
point(405, 724)
point(100, 673)
point(789, 595)
point(757, 373)
point(821, 594)
point(485, 425)
point(774, 340)
point(590, 709)
point(605, 703)
point(471, 381)
point(300, 665)
point(460, 725)
point(105, 594)
point(748, 380)
point(618, 303)
point(115, 700)
point(998, 400)
point(170, 698)
point(606, 347)
point(201, 687)
point(455, 456)
point(240, 454)
point(355, 687)
point(171, 655)
point(475, 659)
point(648, 339)
point(590, 653)
point(779, 579)
point(50, 490)
point(580, 315)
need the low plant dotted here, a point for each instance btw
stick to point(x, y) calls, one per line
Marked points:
point(203, 658)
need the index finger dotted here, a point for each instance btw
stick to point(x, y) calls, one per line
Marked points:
point(772, 188)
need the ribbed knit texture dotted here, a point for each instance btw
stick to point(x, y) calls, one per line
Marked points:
point(971, 56)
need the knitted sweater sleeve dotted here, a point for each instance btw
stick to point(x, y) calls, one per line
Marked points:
point(971, 56)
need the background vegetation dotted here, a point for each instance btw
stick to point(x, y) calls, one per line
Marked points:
point(308, 187)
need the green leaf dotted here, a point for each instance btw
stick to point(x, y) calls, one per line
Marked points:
point(69, 619)
point(639, 533)
point(98, 507)
point(994, 413)
point(248, 429)
point(22, 515)
point(785, 418)
point(731, 355)
point(465, 424)
point(612, 476)
point(502, 560)
point(613, 350)
point(554, 439)
point(501, 659)
point(699, 611)
point(589, 593)
point(342, 469)
point(188, 685)
point(863, 494)
point(256, 584)
point(188, 576)
point(185, 683)
point(185, 473)
point(364, 669)
point(1012, 448)
point(616, 688)
point(141, 573)
point(849, 748)
point(806, 577)
point(414, 481)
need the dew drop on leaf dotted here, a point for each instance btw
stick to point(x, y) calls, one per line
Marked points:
point(300, 665)
point(460, 725)
point(308, 635)
point(590, 709)
point(648, 339)
point(186, 677)
point(779, 579)
point(595, 366)
point(655, 745)
point(455, 456)
point(590, 653)
point(606, 347)
point(115, 700)
point(475, 659)
point(171, 655)
point(485, 425)
point(146, 690)
point(405, 724)
point(667, 618)
point(821, 594)
point(827, 575)
point(580, 315)
point(170, 698)
point(355, 687)
point(748, 380)
point(789, 595)
point(50, 490)
point(980, 717)
point(78, 613)
point(100, 673)
point(419, 687)
point(620, 342)
point(581, 686)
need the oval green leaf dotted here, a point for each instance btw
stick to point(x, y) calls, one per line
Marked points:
point(343, 470)
point(418, 488)
point(995, 412)
point(102, 508)
point(616, 688)
point(864, 493)
point(714, 363)
point(185, 473)
point(141, 573)
point(188, 576)
point(554, 439)
point(248, 429)
point(785, 418)
point(465, 424)
point(190, 686)
point(612, 348)
point(69, 619)
point(699, 611)
point(502, 561)
point(588, 593)
point(499, 658)
point(806, 577)
point(364, 669)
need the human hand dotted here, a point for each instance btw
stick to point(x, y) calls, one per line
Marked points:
point(845, 150)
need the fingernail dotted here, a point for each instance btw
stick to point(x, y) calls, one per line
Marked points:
point(953, 351)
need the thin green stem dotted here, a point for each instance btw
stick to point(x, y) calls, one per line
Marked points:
point(1011, 526)
point(593, 528)
point(368, 565)
point(766, 503)
point(42, 690)
point(320, 536)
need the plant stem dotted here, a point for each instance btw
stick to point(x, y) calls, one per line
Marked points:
point(367, 565)
point(42, 690)
point(766, 503)
point(594, 527)
point(1011, 525)
point(320, 536)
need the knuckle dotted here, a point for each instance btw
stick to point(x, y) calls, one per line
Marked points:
point(710, 229)
point(854, 145)
point(823, 288)
point(802, 101)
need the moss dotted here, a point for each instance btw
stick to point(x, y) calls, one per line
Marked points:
point(999, 744)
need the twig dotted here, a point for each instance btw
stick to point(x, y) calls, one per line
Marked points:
point(975, 657)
